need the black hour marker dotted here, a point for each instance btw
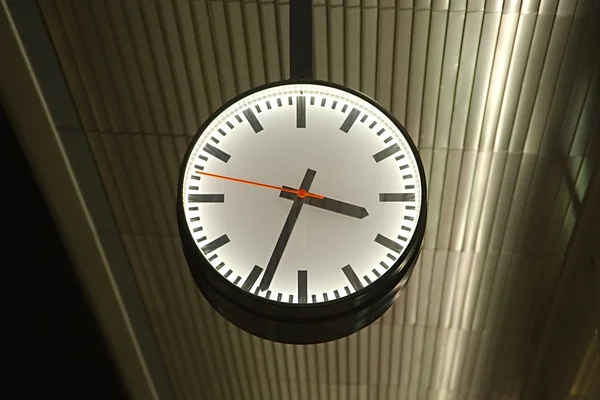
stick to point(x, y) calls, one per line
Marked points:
point(193, 208)
point(258, 108)
point(377, 274)
point(312, 100)
point(251, 117)
point(256, 290)
point(194, 219)
point(323, 102)
point(372, 124)
point(202, 239)
point(222, 132)
point(200, 167)
point(404, 166)
point(350, 120)
point(300, 112)
point(221, 265)
point(215, 244)
point(206, 198)
point(302, 286)
point(291, 298)
point(389, 139)
point(239, 119)
point(212, 257)
point(400, 157)
point(251, 279)
point(229, 124)
point(391, 256)
point(228, 273)
point(314, 298)
point(279, 296)
point(198, 229)
point(402, 238)
point(213, 151)
point(325, 297)
point(385, 153)
point(278, 102)
point(389, 243)
point(409, 218)
point(268, 294)
point(237, 280)
point(364, 118)
point(384, 265)
point(344, 108)
point(337, 294)
point(396, 197)
point(381, 131)
point(351, 276)
point(405, 228)
point(268, 104)
point(214, 139)
point(334, 104)
point(410, 207)
point(195, 177)
point(407, 176)
point(193, 187)
point(366, 278)
point(347, 289)
point(203, 157)
point(409, 187)
point(290, 100)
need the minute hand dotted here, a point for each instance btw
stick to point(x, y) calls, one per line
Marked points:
point(329, 204)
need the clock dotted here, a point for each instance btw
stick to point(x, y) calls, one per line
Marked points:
point(301, 209)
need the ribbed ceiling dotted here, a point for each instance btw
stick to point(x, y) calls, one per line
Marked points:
point(502, 99)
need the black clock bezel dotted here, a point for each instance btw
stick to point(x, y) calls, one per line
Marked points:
point(271, 319)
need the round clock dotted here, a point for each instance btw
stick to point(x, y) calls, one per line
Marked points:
point(301, 209)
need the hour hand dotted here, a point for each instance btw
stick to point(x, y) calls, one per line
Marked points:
point(328, 204)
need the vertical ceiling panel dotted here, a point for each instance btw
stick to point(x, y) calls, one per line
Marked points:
point(489, 90)
point(368, 54)
point(435, 55)
point(402, 45)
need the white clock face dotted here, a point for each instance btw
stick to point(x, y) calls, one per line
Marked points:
point(354, 217)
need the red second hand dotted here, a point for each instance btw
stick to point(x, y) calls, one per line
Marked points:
point(301, 193)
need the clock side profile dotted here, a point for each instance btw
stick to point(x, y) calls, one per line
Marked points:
point(301, 206)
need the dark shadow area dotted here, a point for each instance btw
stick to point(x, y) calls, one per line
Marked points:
point(54, 343)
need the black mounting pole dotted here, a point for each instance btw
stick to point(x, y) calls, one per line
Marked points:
point(301, 39)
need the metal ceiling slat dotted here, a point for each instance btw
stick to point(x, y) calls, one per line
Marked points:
point(402, 48)
point(385, 44)
point(199, 337)
point(553, 58)
point(479, 193)
point(152, 31)
point(368, 55)
point(346, 62)
point(481, 80)
point(222, 50)
point(110, 51)
point(418, 60)
point(238, 42)
point(337, 50)
point(283, 37)
point(67, 19)
point(128, 15)
point(433, 70)
point(514, 80)
point(98, 60)
point(253, 23)
point(448, 79)
point(464, 84)
point(198, 87)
